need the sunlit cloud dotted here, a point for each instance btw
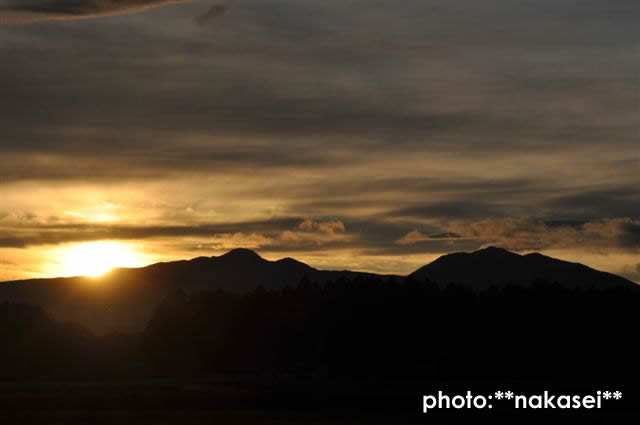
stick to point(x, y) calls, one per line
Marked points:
point(528, 234)
point(416, 236)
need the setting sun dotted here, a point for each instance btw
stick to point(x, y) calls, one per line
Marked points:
point(96, 258)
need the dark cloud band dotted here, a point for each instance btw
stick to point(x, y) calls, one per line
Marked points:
point(26, 11)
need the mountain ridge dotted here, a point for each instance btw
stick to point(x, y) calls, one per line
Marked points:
point(124, 298)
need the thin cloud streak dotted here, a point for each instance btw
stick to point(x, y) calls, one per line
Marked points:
point(29, 11)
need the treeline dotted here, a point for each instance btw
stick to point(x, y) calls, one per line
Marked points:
point(359, 328)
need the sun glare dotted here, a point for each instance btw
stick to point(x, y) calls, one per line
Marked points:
point(96, 258)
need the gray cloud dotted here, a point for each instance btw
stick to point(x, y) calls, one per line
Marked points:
point(27, 11)
point(212, 14)
point(621, 201)
point(451, 208)
point(631, 234)
point(266, 95)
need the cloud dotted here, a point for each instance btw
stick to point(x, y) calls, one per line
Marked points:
point(290, 83)
point(371, 235)
point(624, 231)
point(450, 209)
point(529, 234)
point(212, 14)
point(308, 234)
point(620, 201)
point(293, 232)
point(297, 109)
point(27, 11)
point(416, 236)
point(332, 227)
point(228, 241)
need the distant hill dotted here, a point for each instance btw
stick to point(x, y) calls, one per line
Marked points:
point(123, 299)
point(499, 267)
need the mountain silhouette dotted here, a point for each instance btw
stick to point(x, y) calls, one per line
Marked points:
point(499, 267)
point(124, 298)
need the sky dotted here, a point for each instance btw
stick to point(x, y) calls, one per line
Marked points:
point(373, 135)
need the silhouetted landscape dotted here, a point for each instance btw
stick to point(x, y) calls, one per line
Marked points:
point(296, 338)
point(125, 299)
point(314, 212)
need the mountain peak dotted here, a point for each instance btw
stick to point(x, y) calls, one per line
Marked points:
point(289, 260)
point(242, 254)
point(494, 250)
point(499, 267)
